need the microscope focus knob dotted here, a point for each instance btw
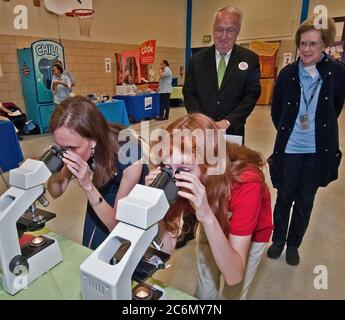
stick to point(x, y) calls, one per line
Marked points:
point(17, 264)
point(43, 201)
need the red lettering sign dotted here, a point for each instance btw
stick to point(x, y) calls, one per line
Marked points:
point(147, 52)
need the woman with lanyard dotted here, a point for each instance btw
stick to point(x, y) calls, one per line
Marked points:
point(307, 100)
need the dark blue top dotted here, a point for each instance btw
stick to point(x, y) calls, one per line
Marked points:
point(95, 232)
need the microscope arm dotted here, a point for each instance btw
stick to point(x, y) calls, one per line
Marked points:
point(102, 276)
point(13, 203)
point(27, 185)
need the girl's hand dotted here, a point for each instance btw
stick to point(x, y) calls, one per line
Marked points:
point(152, 176)
point(196, 194)
point(79, 168)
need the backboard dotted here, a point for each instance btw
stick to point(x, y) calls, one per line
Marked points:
point(61, 7)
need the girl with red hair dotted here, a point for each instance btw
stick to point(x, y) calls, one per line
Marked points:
point(233, 207)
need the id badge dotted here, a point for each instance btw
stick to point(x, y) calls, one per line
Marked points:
point(304, 120)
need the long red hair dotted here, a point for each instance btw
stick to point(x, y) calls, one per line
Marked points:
point(218, 187)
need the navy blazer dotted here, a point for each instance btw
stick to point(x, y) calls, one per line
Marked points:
point(284, 112)
point(238, 94)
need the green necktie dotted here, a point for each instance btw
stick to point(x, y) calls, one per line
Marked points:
point(221, 70)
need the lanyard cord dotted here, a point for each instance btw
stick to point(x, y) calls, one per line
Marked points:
point(307, 103)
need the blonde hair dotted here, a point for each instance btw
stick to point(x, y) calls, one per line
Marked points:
point(327, 34)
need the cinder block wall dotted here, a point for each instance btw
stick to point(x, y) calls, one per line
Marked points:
point(84, 59)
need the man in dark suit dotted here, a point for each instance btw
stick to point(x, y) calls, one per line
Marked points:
point(226, 92)
point(222, 82)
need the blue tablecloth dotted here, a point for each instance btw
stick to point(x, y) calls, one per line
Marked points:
point(143, 106)
point(10, 151)
point(114, 111)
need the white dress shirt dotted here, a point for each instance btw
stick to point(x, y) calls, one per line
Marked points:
point(226, 57)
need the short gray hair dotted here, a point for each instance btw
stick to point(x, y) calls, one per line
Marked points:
point(230, 9)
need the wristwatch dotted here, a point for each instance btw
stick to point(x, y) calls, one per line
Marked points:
point(96, 203)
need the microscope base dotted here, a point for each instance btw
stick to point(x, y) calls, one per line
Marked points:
point(44, 260)
point(144, 291)
point(40, 261)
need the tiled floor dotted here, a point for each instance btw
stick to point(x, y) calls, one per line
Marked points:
point(323, 244)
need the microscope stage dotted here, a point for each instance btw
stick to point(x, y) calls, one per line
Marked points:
point(36, 245)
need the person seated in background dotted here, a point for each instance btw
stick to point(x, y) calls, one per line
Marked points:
point(16, 117)
point(231, 203)
point(128, 81)
point(93, 156)
point(4, 111)
point(61, 84)
point(18, 134)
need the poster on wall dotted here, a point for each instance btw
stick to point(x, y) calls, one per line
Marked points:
point(147, 52)
point(287, 59)
point(148, 103)
point(107, 65)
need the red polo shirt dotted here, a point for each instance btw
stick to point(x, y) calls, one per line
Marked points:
point(250, 205)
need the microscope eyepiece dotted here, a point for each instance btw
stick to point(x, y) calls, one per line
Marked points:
point(163, 179)
point(53, 158)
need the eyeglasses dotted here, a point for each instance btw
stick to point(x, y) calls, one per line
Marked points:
point(311, 44)
point(229, 31)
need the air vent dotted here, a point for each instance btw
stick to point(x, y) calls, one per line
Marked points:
point(98, 287)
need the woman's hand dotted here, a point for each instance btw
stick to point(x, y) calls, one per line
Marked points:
point(196, 194)
point(79, 168)
point(152, 176)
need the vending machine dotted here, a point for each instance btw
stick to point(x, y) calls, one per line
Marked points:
point(36, 65)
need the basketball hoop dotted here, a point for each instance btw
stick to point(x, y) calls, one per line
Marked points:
point(84, 18)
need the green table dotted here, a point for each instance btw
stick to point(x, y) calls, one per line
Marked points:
point(63, 281)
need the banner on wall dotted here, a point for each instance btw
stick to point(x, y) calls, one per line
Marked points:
point(131, 65)
point(147, 52)
point(118, 64)
point(134, 62)
point(267, 53)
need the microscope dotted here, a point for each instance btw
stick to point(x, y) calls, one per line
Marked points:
point(127, 254)
point(22, 264)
